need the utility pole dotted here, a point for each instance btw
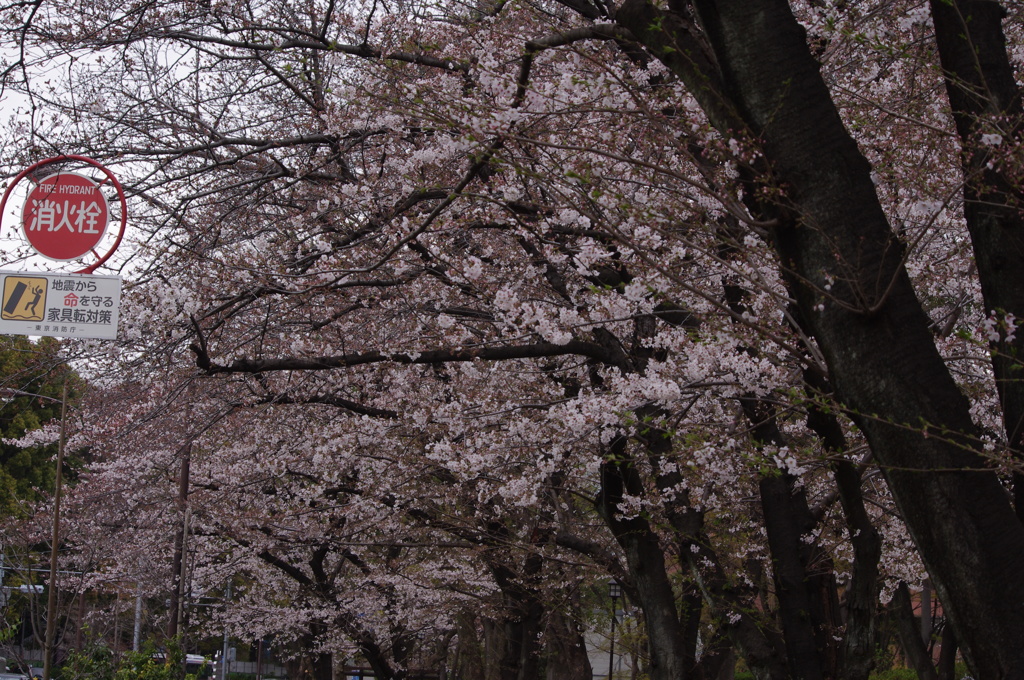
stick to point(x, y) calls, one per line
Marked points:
point(180, 563)
point(51, 600)
point(80, 629)
point(137, 629)
point(225, 649)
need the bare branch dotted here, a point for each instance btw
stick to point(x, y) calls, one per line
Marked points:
point(503, 353)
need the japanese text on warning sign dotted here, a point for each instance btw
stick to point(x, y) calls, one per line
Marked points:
point(61, 305)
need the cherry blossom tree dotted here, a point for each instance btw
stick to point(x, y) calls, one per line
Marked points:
point(661, 292)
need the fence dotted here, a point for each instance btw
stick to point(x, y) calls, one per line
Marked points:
point(266, 671)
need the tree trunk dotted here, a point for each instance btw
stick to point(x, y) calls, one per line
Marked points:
point(986, 101)
point(862, 592)
point(860, 608)
point(516, 646)
point(718, 662)
point(762, 650)
point(468, 663)
point(566, 650)
point(646, 562)
point(947, 654)
point(910, 635)
point(494, 644)
point(831, 230)
point(802, 589)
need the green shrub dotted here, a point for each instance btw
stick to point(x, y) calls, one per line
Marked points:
point(99, 663)
point(895, 674)
point(908, 674)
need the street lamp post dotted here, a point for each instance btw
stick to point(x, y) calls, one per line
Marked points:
point(615, 591)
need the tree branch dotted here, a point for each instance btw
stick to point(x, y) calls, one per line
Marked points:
point(441, 356)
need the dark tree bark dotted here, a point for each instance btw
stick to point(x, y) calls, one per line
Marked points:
point(872, 331)
point(862, 593)
point(800, 609)
point(691, 610)
point(718, 661)
point(566, 650)
point(861, 603)
point(732, 603)
point(986, 100)
point(517, 635)
point(947, 654)
point(909, 630)
point(801, 589)
point(469, 662)
point(310, 666)
point(645, 560)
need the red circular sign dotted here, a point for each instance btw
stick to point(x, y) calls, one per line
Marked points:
point(65, 216)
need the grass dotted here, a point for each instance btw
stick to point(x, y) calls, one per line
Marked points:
point(891, 674)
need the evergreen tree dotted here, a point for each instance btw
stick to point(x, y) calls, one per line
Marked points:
point(32, 376)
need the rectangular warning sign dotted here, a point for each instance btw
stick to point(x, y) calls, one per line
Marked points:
point(59, 305)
